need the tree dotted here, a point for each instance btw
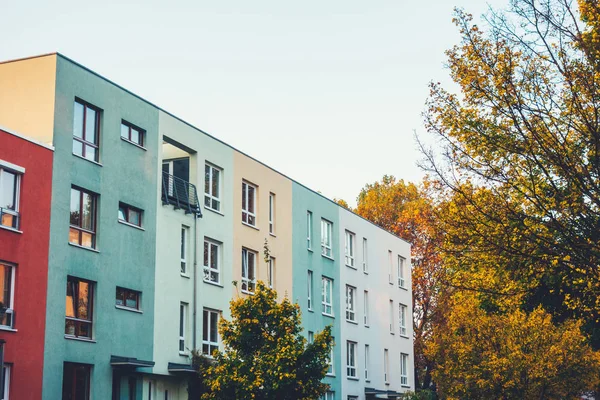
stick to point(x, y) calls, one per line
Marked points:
point(407, 210)
point(265, 355)
point(521, 153)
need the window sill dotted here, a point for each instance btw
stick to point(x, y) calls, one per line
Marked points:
point(250, 226)
point(128, 309)
point(311, 310)
point(184, 354)
point(272, 234)
point(131, 225)
point(327, 257)
point(367, 326)
point(365, 272)
point(392, 283)
point(327, 315)
point(213, 283)
point(84, 248)
point(403, 288)
point(351, 266)
point(393, 333)
point(330, 375)
point(215, 211)
point(133, 143)
point(405, 336)
point(351, 322)
point(387, 384)
point(405, 386)
point(352, 378)
point(310, 249)
point(247, 292)
point(184, 275)
point(69, 337)
point(7, 328)
point(87, 159)
point(8, 228)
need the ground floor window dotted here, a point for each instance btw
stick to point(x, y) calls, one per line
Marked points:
point(76, 381)
point(5, 389)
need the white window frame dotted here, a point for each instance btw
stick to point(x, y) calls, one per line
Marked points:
point(386, 366)
point(402, 319)
point(326, 238)
point(351, 364)
point(209, 195)
point(366, 308)
point(404, 370)
point(331, 367)
point(6, 373)
point(390, 269)
point(310, 290)
point(392, 312)
point(185, 245)
point(208, 262)
point(183, 322)
point(401, 280)
point(327, 291)
point(309, 216)
point(365, 256)
point(272, 214)
point(350, 249)
point(311, 337)
point(9, 309)
point(350, 303)
point(367, 362)
point(271, 272)
point(18, 172)
point(248, 283)
point(207, 341)
point(247, 213)
point(329, 395)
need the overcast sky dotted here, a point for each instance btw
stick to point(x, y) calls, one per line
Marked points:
point(328, 92)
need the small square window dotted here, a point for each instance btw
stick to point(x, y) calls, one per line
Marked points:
point(128, 298)
point(10, 185)
point(131, 215)
point(132, 133)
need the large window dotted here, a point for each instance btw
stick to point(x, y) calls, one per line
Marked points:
point(130, 214)
point(212, 261)
point(367, 362)
point(128, 298)
point(271, 272)
point(366, 309)
point(401, 280)
point(309, 230)
point(184, 238)
point(210, 331)
point(86, 130)
point(350, 303)
point(365, 256)
point(248, 203)
point(272, 213)
point(310, 289)
point(326, 230)
point(248, 271)
point(351, 359)
point(402, 318)
point(82, 230)
point(212, 187)
point(183, 323)
point(79, 308)
point(9, 198)
point(76, 381)
point(7, 282)
point(404, 369)
point(349, 249)
point(327, 296)
point(132, 133)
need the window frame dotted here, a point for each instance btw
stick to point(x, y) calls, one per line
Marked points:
point(351, 361)
point(350, 303)
point(330, 361)
point(127, 209)
point(366, 308)
point(325, 305)
point(246, 212)
point(402, 313)
point(392, 312)
point(125, 291)
point(310, 337)
point(350, 249)
point(365, 250)
point(208, 183)
point(93, 232)
point(271, 272)
point(9, 315)
point(184, 249)
point(83, 140)
point(309, 218)
point(404, 370)
point(207, 264)
point(390, 268)
point(6, 381)
point(367, 362)
point(326, 238)
point(401, 278)
point(183, 323)
point(207, 341)
point(310, 290)
point(76, 300)
point(247, 280)
point(386, 366)
point(141, 133)
point(88, 379)
point(272, 213)
point(16, 196)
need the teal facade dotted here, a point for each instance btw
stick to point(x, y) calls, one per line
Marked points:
point(124, 256)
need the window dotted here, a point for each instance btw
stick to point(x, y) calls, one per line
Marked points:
point(350, 303)
point(86, 130)
point(248, 204)
point(212, 187)
point(272, 213)
point(7, 282)
point(351, 359)
point(76, 381)
point(185, 233)
point(210, 331)
point(271, 272)
point(309, 230)
point(392, 317)
point(212, 261)
point(367, 362)
point(183, 318)
point(386, 367)
point(330, 369)
point(79, 307)
point(5, 389)
point(129, 214)
point(401, 280)
point(390, 278)
point(310, 289)
point(402, 318)
point(328, 396)
point(9, 198)
point(366, 308)
point(352, 397)
point(349, 249)
point(327, 296)
point(248, 270)
point(128, 298)
point(311, 337)
point(326, 229)
point(132, 133)
point(365, 257)
point(82, 230)
point(403, 369)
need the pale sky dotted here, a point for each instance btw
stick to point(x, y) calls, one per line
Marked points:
point(328, 92)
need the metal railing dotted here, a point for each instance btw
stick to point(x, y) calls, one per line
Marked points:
point(180, 193)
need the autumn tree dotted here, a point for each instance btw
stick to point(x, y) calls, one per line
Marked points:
point(265, 355)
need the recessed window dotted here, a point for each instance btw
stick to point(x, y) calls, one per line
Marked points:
point(86, 130)
point(272, 213)
point(365, 255)
point(392, 317)
point(351, 359)
point(249, 203)
point(80, 297)
point(210, 331)
point(184, 238)
point(311, 337)
point(5, 389)
point(76, 381)
point(350, 303)
point(386, 367)
point(212, 261)
point(330, 368)
point(9, 198)
point(183, 318)
point(404, 369)
point(326, 231)
point(349, 249)
point(131, 215)
point(248, 271)
point(271, 272)
point(327, 296)
point(132, 133)
point(367, 362)
point(7, 284)
point(401, 280)
point(212, 187)
point(310, 289)
point(390, 276)
point(82, 229)
point(309, 230)
point(328, 396)
point(366, 308)
point(128, 298)
point(402, 318)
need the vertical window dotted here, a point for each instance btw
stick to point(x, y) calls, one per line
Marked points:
point(128, 298)
point(310, 289)
point(402, 318)
point(328, 396)
point(185, 233)
point(79, 307)
point(326, 229)
point(311, 337)
point(403, 369)
point(392, 317)
point(76, 381)
point(350, 303)
point(5, 389)
point(6, 296)
point(351, 359)
point(86, 130)
point(271, 272)
point(390, 277)
point(248, 271)
point(401, 280)
point(9, 198)
point(366, 308)
point(132, 133)
point(365, 256)
point(349, 249)
point(212, 261)
point(272, 213)
point(130, 214)
point(212, 187)
point(367, 362)
point(330, 369)
point(309, 230)
point(82, 229)
point(386, 367)
point(327, 296)
point(248, 204)
point(210, 331)
point(183, 318)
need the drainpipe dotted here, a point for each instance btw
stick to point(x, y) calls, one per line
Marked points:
point(195, 280)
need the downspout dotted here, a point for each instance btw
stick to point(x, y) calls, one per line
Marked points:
point(196, 216)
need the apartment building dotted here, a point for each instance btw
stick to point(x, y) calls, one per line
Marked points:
point(156, 225)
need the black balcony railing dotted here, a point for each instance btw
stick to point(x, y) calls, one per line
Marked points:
point(180, 194)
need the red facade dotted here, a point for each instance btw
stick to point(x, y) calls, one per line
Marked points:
point(26, 166)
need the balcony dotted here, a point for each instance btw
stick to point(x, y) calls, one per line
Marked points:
point(180, 193)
